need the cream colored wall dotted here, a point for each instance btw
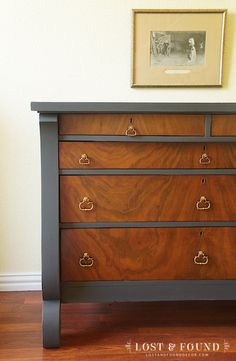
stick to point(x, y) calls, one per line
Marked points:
point(69, 50)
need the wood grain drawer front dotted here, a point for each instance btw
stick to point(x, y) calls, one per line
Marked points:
point(148, 253)
point(147, 198)
point(142, 124)
point(94, 155)
point(224, 125)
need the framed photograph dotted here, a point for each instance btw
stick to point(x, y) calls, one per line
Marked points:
point(178, 47)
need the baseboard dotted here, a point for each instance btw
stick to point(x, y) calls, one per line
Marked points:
point(20, 282)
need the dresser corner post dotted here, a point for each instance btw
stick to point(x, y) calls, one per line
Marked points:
point(50, 230)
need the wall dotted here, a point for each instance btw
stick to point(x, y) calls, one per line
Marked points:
point(69, 50)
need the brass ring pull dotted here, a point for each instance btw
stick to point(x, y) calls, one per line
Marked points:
point(204, 159)
point(203, 204)
point(86, 260)
point(86, 204)
point(200, 258)
point(130, 131)
point(84, 159)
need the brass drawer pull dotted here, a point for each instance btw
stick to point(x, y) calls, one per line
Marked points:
point(200, 258)
point(86, 204)
point(130, 131)
point(203, 204)
point(204, 159)
point(86, 260)
point(84, 159)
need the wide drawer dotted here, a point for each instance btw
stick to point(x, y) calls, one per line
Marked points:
point(223, 125)
point(131, 124)
point(147, 198)
point(93, 155)
point(148, 254)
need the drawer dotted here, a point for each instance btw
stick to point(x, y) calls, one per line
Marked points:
point(121, 198)
point(148, 254)
point(93, 155)
point(223, 125)
point(139, 124)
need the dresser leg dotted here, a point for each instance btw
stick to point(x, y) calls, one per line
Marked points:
point(51, 323)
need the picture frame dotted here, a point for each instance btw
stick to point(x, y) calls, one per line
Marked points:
point(176, 47)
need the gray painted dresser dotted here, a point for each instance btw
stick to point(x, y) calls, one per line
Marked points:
point(137, 203)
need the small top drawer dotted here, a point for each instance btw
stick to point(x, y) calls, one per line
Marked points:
point(132, 124)
point(223, 125)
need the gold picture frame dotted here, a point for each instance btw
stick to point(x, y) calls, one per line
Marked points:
point(178, 47)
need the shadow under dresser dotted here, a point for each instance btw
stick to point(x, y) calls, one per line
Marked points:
point(138, 203)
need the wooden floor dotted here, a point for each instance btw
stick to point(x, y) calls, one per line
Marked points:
point(111, 331)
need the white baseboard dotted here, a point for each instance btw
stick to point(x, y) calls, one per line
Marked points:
point(20, 282)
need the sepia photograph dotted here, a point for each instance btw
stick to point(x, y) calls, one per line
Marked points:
point(177, 48)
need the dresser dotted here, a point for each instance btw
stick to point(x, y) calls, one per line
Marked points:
point(138, 203)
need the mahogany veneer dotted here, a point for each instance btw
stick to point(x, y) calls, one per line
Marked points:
point(145, 124)
point(223, 125)
point(148, 198)
point(148, 253)
point(146, 155)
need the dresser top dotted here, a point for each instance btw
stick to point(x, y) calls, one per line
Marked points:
point(100, 107)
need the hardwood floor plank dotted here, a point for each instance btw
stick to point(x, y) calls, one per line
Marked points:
point(100, 332)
